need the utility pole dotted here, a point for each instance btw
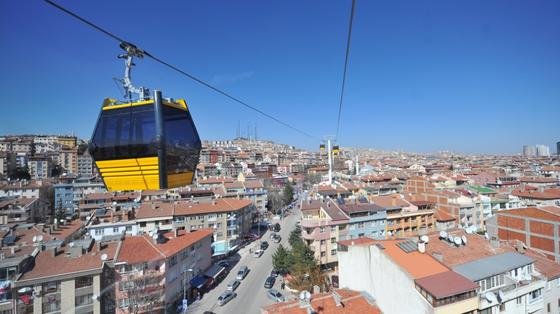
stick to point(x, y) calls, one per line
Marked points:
point(330, 161)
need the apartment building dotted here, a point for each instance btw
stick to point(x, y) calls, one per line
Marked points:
point(71, 279)
point(68, 159)
point(323, 224)
point(39, 167)
point(229, 218)
point(403, 218)
point(19, 210)
point(537, 227)
point(395, 270)
point(68, 194)
point(85, 164)
point(365, 219)
point(153, 272)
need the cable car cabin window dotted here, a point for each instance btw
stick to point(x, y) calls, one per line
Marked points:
point(125, 133)
point(182, 141)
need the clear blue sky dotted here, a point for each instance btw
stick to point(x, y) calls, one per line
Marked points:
point(470, 76)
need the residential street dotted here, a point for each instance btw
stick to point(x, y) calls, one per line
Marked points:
point(251, 294)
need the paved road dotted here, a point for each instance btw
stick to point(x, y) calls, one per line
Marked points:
point(251, 294)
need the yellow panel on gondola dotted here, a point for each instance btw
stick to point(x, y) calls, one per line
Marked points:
point(130, 174)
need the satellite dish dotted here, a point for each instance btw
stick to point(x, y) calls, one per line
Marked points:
point(457, 241)
point(425, 238)
point(464, 239)
point(71, 244)
point(486, 235)
point(490, 297)
point(307, 295)
point(468, 230)
point(55, 221)
point(450, 238)
point(34, 238)
point(155, 236)
point(302, 295)
point(443, 234)
point(104, 257)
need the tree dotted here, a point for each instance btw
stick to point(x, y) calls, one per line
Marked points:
point(20, 174)
point(295, 236)
point(282, 259)
point(275, 201)
point(288, 193)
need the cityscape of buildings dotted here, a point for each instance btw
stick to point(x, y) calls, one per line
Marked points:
point(448, 233)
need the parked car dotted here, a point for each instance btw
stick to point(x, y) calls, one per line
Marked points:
point(264, 245)
point(276, 227)
point(258, 253)
point(275, 295)
point(242, 273)
point(226, 297)
point(277, 239)
point(269, 283)
point(233, 285)
point(274, 273)
point(272, 235)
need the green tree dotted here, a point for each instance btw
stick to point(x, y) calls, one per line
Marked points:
point(20, 174)
point(282, 259)
point(288, 193)
point(275, 201)
point(295, 236)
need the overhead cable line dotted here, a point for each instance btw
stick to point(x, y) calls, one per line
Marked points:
point(192, 77)
point(345, 67)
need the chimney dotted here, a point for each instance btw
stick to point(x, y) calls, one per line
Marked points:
point(54, 251)
point(176, 232)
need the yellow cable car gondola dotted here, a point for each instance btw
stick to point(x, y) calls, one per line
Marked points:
point(151, 143)
point(335, 150)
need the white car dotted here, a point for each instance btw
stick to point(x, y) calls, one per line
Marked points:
point(233, 285)
point(258, 253)
point(226, 297)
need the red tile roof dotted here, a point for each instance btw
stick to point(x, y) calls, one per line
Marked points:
point(46, 265)
point(140, 249)
point(353, 302)
point(446, 284)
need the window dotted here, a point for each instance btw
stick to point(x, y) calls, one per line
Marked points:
point(519, 300)
point(322, 242)
point(502, 307)
point(333, 240)
point(361, 235)
point(173, 261)
point(535, 295)
point(333, 252)
point(84, 299)
point(323, 254)
point(115, 229)
point(98, 231)
point(53, 286)
point(548, 307)
point(124, 303)
point(85, 281)
point(322, 229)
point(51, 304)
point(142, 224)
point(333, 228)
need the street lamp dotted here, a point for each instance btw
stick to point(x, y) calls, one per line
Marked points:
point(184, 304)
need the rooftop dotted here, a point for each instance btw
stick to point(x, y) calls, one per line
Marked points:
point(140, 249)
point(446, 284)
point(492, 265)
point(353, 302)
